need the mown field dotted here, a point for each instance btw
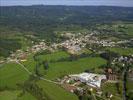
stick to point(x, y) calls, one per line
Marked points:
point(54, 56)
point(122, 51)
point(12, 74)
point(15, 95)
point(58, 69)
point(55, 92)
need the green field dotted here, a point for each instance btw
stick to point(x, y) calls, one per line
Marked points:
point(58, 69)
point(54, 56)
point(11, 74)
point(129, 29)
point(112, 88)
point(15, 95)
point(30, 63)
point(55, 92)
point(122, 51)
point(129, 85)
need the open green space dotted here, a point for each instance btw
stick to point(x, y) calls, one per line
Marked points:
point(129, 85)
point(26, 96)
point(113, 89)
point(9, 95)
point(55, 92)
point(110, 87)
point(15, 95)
point(58, 69)
point(125, 28)
point(30, 63)
point(122, 51)
point(54, 56)
point(11, 74)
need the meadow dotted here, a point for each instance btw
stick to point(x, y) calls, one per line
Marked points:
point(15, 95)
point(59, 69)
point(122, 51)
point(12, 74)
point(55, 92)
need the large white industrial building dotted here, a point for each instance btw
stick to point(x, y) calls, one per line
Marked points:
point(90, 79)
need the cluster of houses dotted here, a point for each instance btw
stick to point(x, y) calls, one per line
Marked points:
point(76, 42)
point(22, 55)
point(18, 55)
point(128, 59)
point(38, 47)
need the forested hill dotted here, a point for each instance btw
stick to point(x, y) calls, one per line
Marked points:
point(43, 21)
point(28, 17)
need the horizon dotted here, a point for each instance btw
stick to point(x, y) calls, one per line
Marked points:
point(119, 3)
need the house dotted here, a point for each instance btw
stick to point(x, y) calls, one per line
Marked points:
point(112, 77)
point(23, 57)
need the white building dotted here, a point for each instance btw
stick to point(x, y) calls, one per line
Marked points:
point(90, 79)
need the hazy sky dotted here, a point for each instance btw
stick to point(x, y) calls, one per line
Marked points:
point(68, 2)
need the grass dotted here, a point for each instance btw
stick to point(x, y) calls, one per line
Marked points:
point(58, 69)
point(14, 95)
point(54, 56)
point(122, 51)
point(9, 95)
point(129, 29)
point(11, 74)
point(30, 63)
point(55, 92)
point(112, 88)
point(129, 85)
point(27, 96)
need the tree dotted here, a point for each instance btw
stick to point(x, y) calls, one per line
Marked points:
point(45, 65)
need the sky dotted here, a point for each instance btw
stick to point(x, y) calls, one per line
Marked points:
point(127, 3)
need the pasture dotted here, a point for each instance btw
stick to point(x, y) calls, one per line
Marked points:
point(122, 51)
point(59, 69)
point(55, 92)
point(11, 74)
point(15, 95)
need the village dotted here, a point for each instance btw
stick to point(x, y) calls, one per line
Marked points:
point(81, 82)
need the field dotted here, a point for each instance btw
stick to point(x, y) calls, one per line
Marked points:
point(59, 69)
point(15, 95)
point(11, 74)
point(129, 29)
point(129, 85)
point(122, 51)
point(57, 92)
point(54, 56)
point(113, 89)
